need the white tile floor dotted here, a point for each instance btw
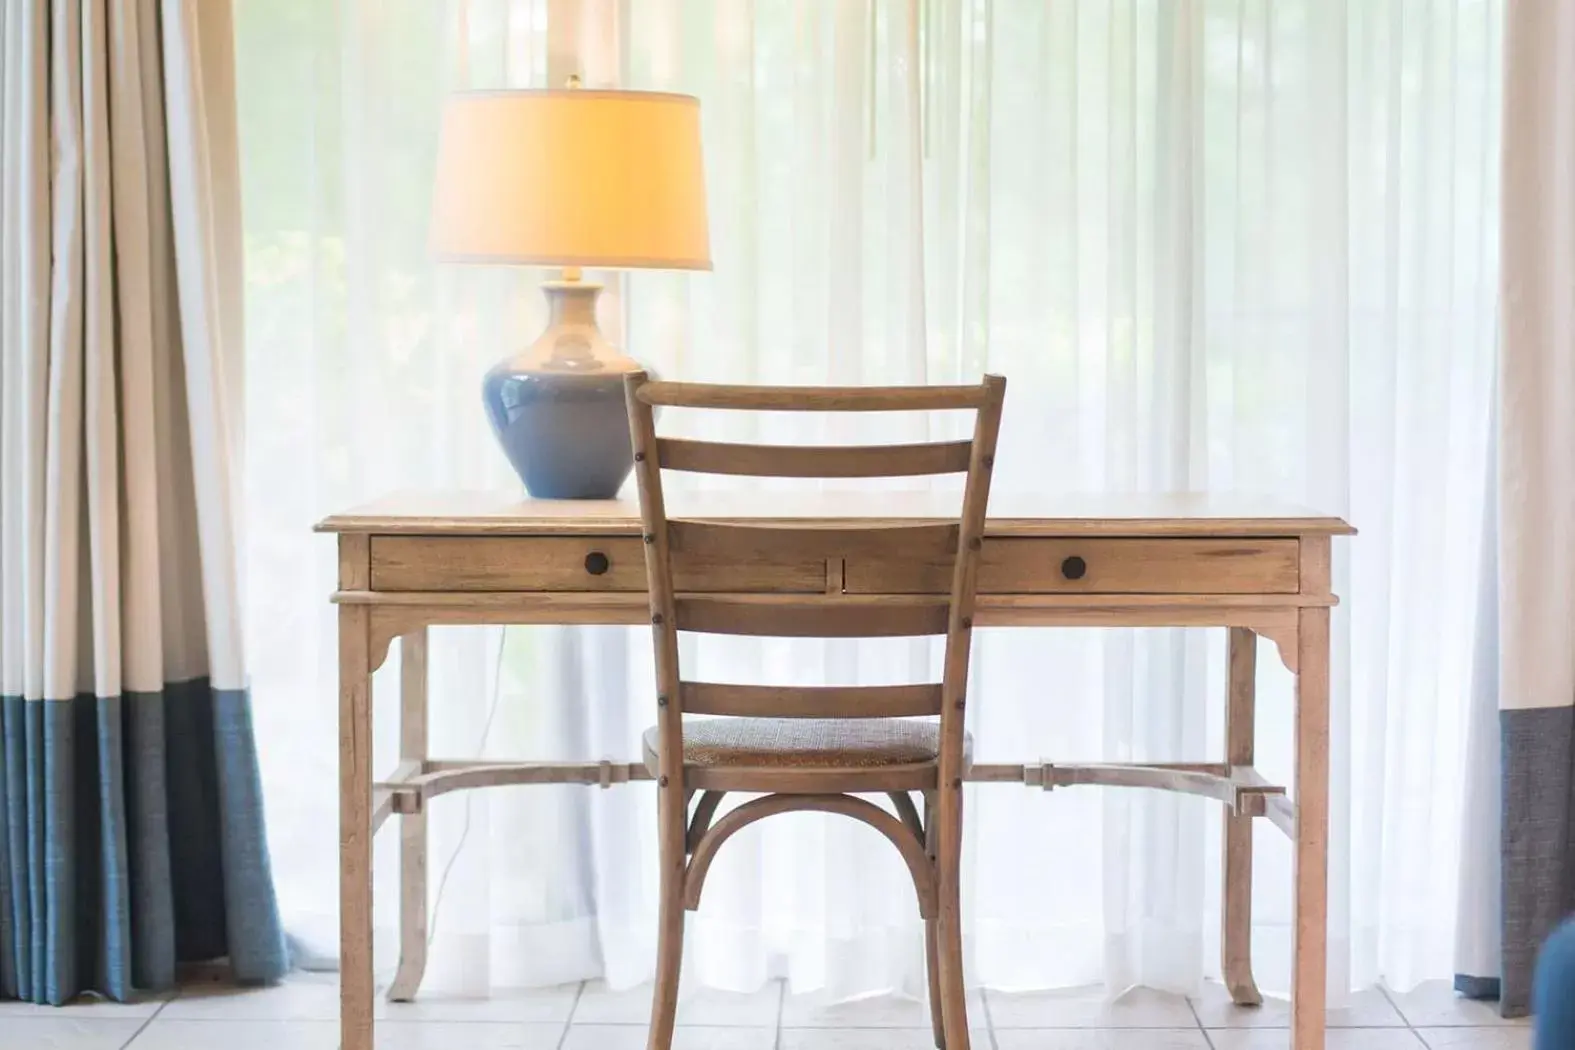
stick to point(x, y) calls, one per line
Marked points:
point(299, 1015)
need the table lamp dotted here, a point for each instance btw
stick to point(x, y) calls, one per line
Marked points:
point(571, 178)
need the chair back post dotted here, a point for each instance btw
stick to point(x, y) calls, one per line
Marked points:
point(965, 579)
point(659, 582)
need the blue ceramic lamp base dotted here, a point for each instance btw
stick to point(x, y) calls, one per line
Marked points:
point(558, 407)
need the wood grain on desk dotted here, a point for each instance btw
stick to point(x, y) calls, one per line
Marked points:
point(1011, 514)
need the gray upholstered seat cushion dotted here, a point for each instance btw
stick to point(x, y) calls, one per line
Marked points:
point(807, 743)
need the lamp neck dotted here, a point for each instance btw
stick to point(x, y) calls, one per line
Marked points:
point(572, 302)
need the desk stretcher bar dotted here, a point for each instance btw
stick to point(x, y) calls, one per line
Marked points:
point(1241, 788)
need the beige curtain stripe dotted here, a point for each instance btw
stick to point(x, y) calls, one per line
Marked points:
point(200, 84)
point(100, 415)
point(1537, 366)
point(63, 438)
point(24, 314)
point(139, 186)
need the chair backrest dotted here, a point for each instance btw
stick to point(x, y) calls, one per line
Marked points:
point(813, 615)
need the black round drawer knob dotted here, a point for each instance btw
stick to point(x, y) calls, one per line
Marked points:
point(596, 563)
point(1074, 568)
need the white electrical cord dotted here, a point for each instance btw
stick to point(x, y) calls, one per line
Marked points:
point(481, 751)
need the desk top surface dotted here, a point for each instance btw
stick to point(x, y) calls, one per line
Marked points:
point(437, 513)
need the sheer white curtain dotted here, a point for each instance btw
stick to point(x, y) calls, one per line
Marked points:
point(1214, 245)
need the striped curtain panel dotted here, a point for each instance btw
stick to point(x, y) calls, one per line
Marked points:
point(1537, 475)
point(131, 832)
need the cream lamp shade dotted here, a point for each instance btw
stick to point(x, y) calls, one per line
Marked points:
point(571, 178)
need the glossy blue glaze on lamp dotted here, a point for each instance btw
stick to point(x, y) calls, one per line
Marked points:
point(567, 435)
point(558, 407)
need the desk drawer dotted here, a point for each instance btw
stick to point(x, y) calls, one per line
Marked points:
point(1069, 565)
point(569, 563)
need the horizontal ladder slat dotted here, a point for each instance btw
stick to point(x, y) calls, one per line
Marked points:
point(814, 461)
point(813, 616)
point(770, 701)
point(723, 541)
point(814, 398)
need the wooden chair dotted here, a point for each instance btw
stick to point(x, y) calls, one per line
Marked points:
point(814, 748)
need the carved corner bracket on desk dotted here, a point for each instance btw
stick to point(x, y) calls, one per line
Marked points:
point(1258, 576)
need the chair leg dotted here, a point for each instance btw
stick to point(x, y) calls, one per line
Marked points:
point(948, 921)
point(932, 963)
point(672, 818)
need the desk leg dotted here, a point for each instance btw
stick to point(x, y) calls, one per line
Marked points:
point(1309, 964)
point(412, 826)
point(355, 830)
point(1236, 912)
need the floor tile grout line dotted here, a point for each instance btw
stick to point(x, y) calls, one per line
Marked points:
point(1421, 1039)
point(568, 1022)
point(1192, 1008)
point(1383, 990)
point(147, 1021)
point(730, 1026)
point(989, 1019)
point(776, 1037)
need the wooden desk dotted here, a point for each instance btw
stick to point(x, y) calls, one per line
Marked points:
point(1249, 565)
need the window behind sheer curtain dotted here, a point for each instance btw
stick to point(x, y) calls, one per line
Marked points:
point(1223, 244)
